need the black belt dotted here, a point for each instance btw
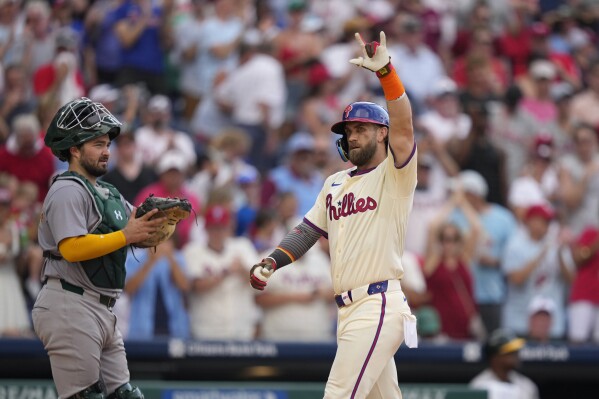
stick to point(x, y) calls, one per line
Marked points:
point(106, 300)
point(48, 254)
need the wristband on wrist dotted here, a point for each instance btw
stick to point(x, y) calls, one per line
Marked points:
point(274, 262)
point(391, 83)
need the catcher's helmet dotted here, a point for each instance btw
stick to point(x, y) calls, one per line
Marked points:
point(79, 121)
point(361, 111)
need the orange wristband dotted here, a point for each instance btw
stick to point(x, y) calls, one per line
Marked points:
point(391, 83)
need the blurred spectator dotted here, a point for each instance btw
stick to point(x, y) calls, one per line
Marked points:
point(583, 307)
point(538, 180)
point(512, 132)
point(514, 44)
point(418, 65)
point(130, 175)
point(61, 80)
point(500, 378)
point(586, 102)
point(263, 229)
point(39, 35)
point(222, 303)
point(16, 97)
point(322, 104)
point(297, 48)
point(351, 82)
point(156, 286)
point(561, 94)
point(26, 211)
point(565, 67)
point(12, 42)
point(478, 15)
point(14, 316)
point(448, 256)
point(102, 48)
point(171, 171)
point(205, 48)
point(156, 136)
point(496, 225)
point(445, 119)
point(429, 197)
point(481, 50)
point(143, 29)
point(124, 103)
point(540, 319)
point(247, 201)
point(579, 181)
point(26, 157)
point(298, 174)
point(254, 97)
point(478, 152)
point(298, 305)
point(538, 104)
point(225, 162)
point(533, 266)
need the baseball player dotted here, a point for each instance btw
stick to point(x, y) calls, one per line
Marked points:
point(84, 231)
point(363, 211)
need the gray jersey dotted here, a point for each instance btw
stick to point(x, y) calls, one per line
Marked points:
point(69, 210)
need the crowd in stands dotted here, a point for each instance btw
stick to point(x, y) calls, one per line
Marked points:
point(229, 103)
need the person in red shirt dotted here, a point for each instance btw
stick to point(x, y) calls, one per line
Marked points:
point(25, 156)
point(449, 281)
point(583, 312)
point(172, 169)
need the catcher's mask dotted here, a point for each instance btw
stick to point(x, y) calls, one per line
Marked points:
point(79, 121)
point(358, 112)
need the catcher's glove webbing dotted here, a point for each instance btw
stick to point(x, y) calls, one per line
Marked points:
point(173, 209)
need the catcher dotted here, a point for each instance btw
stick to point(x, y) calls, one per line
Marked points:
point(84, 231)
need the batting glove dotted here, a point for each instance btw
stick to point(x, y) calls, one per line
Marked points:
point(260, 273)
point(375, 56)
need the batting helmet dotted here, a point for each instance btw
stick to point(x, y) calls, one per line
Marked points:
point(361, 111)
point(79, 121)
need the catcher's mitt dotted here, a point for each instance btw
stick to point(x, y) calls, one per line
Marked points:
point(174, 209)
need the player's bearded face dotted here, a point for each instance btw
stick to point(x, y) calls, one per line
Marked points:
point(93, 162)
point(362, 155)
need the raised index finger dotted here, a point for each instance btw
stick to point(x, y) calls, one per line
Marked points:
point(360, 41)
point(383, 39)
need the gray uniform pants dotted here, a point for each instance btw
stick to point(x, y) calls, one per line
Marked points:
point(81, 338)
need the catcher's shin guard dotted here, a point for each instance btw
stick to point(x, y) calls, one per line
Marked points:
point(126, 391)
point(96, 391)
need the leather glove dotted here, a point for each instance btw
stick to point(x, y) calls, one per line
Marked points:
point(375, 55)
point(260, 273)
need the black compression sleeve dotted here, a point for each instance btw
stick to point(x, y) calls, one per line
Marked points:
point(295, 244)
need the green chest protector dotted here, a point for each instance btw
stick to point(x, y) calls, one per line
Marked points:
point(107, 271)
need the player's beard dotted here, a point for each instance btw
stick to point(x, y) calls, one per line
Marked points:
point(94, 168)
point(361, 156)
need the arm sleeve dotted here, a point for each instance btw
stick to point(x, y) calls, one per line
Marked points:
point(90, 246)
point(295, 244)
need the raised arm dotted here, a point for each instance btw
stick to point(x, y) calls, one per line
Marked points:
point(401, 132)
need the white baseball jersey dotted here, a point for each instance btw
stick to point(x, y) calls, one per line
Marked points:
point(306, 322)
point(365, 215)
point(227, 311)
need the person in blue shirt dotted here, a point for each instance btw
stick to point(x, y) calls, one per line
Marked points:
point(156, 285)
point(298, 174)
point(498, 224)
